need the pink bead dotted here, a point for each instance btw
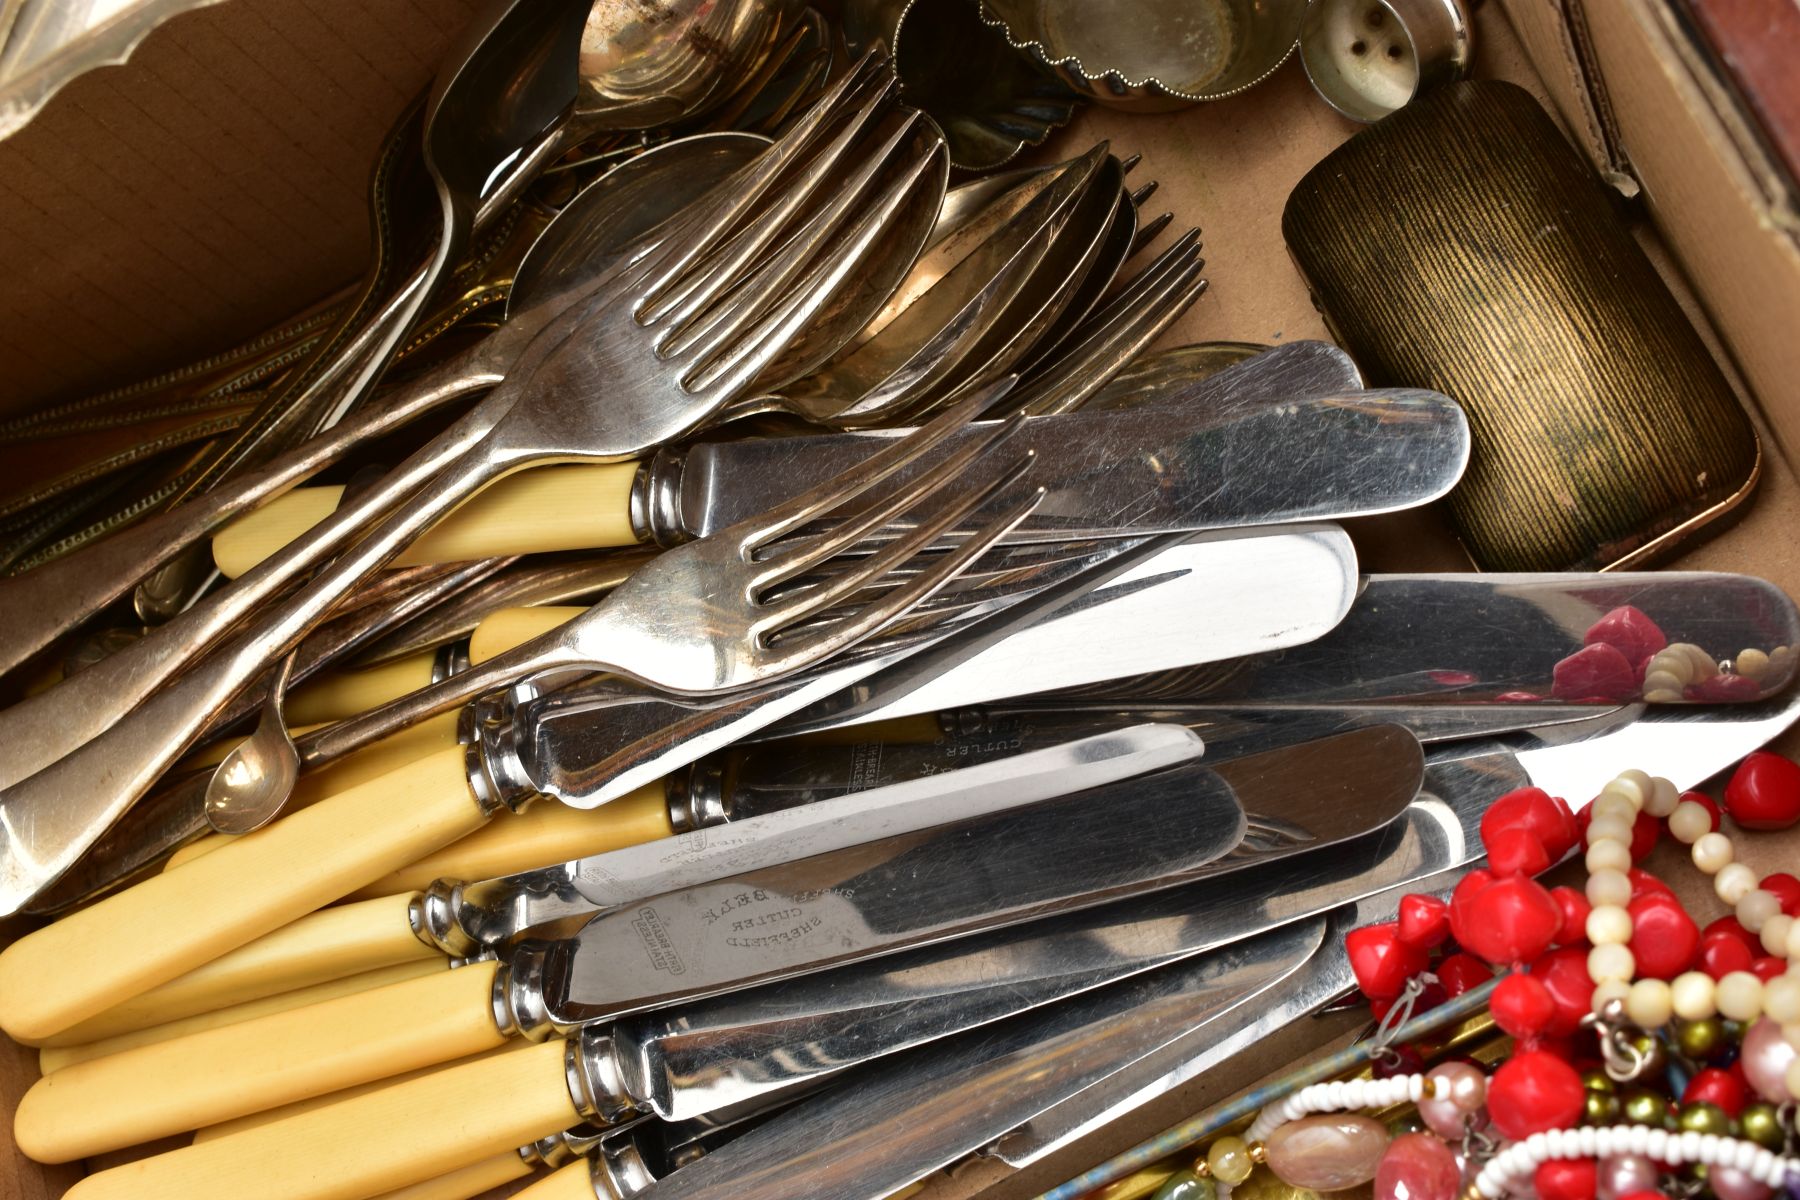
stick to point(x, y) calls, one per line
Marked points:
point(1623, 1174)
point(1765, 1058)
point(1327, 1153)
point(1418, 1166)
point(1729, 1183)
point(1461, 1092)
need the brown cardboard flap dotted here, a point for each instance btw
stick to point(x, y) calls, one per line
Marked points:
point(165, 209)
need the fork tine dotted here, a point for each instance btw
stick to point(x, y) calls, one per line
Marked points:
point(902, 600)
point(701, 333)
point(697, 282)
point(1148, 231)
point(856, 526)
point(901, 549)
point(1153, 299)
point(702, 233)
point(757, 532)
point(758, 348)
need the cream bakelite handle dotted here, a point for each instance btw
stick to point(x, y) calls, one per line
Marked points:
point(55, 1058)
point(573, 1182)
point(570, 507)
point(179, 1085)
point(378, 1142)
point(338, 695)
point(252, 1120)
point(372, 761)
point(500, 631)
point(171, 923)
point(329, 944)
point(473, 1180)
point(541, 836)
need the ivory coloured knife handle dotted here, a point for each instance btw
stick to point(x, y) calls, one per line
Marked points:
point(568, 507)
point(55, 1058)
point(171, 923)
point(541, 836)
point(171, 1087)
point(331, 943)
point(572, 1182)
point(337, 695)
point(500, 631)
point(377, 1142)
point(267, 1116)
point(473, 1180)
point(391, 753)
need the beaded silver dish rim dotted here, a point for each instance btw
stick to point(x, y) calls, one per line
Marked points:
point(1119, 83)
point(1020, 144)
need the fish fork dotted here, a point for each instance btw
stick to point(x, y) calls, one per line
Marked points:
point(674, 335)
point(695, 620)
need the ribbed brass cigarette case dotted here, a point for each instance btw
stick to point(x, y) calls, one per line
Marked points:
point(1462, 245)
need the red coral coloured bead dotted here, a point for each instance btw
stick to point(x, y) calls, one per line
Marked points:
point(1596, 672)
point(1471, 883)
point(1768, 967)
point(1575, 908)
point(1537, 810)
point(1534, 1091)
point(1512, 920)
point(1764, 792)
point(1381, 962)
point(1567, 1179)
point(1715, 1086)
point(1628, 630)
point(1664, 939)
point(1564, 974)
point(1785, 889)
point(1517, 852)
point(1424, 921)
point(1460, 972)
point(1523, 1007)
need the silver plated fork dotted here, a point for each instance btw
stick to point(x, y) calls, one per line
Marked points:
point(671, 338)
point(698, 619)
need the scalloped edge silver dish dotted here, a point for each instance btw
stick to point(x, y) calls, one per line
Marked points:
point(1147, 94)
point(108, 44)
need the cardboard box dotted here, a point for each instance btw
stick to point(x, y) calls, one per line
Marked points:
point(213, 184)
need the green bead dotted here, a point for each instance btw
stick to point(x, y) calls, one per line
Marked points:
point(1700, 1040)
point(1645, 1107)
point(1599, 1108)
point(1703, 1117)
point(1655, 1055)
point(1407, 1122)
point(1597, 1080)
point(1761, 1124)
point(1185, 1185)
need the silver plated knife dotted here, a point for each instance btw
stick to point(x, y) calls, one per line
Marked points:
point(590, 744)
point(893, 1122)
point(744, 1050)
point(851, 900)
point(1407, 639)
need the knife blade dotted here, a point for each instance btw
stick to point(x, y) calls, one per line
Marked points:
point(1413, 639)
point(683, 493)
point(1685, 746)
point(747, 1049)
point(891, 1123)
point(1135, 471)
point(465, 918)
point(590, 744)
